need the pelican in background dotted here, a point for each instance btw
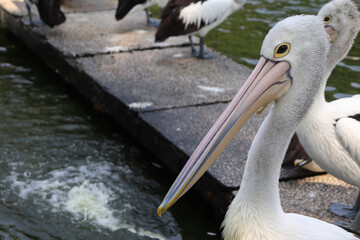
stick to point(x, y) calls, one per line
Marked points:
point(290, 71)
point(49, 11)
point(132, 6)
point(330, 131)
point(189, 17)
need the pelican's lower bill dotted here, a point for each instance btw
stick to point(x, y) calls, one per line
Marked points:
point(269, 81)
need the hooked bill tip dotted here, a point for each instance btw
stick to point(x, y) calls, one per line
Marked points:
point(160, 210)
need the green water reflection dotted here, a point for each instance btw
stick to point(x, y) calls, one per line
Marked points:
point(241, 35)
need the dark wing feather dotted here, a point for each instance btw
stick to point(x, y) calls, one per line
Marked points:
point(356, 117)
point(171, 24)
point(50, 12)
point(124, 6)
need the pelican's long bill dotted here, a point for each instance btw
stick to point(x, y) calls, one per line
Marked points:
point(269, 81)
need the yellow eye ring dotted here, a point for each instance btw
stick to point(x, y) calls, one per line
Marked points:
point(282, 50)
point(327, 19)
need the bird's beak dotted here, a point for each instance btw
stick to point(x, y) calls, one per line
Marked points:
point(332, 33)
point(269, 81)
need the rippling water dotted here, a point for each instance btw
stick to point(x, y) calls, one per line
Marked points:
point(68, 172)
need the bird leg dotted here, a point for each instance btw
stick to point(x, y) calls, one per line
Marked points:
point(356, 224)
point(202, 53)
point(193, 50)
point(151, 22)
point(353, 227)
point(28, 7)
point(37, 22)
point(345, 210)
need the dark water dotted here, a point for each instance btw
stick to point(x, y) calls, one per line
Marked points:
point(68, 172)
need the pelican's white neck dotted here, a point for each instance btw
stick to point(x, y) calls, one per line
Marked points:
point(258, 202)
point(262, 171)
point(319, 99)
point(338, 50)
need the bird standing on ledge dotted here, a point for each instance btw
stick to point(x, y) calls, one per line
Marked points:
point(290, 72)
point(49, 11)
point(189, 17)
point(330, 131)
point(132, 6)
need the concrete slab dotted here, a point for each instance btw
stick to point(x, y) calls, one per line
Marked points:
point(88, 5)
point(74, 39)
point(17, 7)
point(186, 127)
point(312, 196)
point(91, 33)
point(162, 79)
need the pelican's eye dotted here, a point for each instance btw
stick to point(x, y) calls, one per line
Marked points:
point(282, 50)
point(327, 19)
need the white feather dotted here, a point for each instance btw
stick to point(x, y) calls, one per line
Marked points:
point(348, 132)
point(209, 11)
point(316, 132)
point(192, 14)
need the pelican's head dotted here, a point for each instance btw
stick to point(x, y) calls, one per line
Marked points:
point(304, 53)
point(342, 22)
point(289, 71)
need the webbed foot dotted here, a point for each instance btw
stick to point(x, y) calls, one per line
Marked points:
point(343, 210)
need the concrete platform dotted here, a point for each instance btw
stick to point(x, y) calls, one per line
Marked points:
point(166, 99)
point(91, 33)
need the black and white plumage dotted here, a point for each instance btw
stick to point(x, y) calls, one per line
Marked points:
point(49, 11)
point(330, 131)
point(188, 17)
point(290, 71)
point(126, 7)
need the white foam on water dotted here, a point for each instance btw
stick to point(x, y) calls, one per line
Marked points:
point(90, 201)
point(79, 190)
point(142, 232)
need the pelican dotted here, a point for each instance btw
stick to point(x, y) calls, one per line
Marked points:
point(49, 11)
point(189, 17)
point(133, 6)
point(330, 131)
point(290, 71)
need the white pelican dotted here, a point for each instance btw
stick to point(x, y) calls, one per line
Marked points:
point(132, 6)
point(49, 11)
point(330, 131)
point(290, 71)
point(189, 17)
